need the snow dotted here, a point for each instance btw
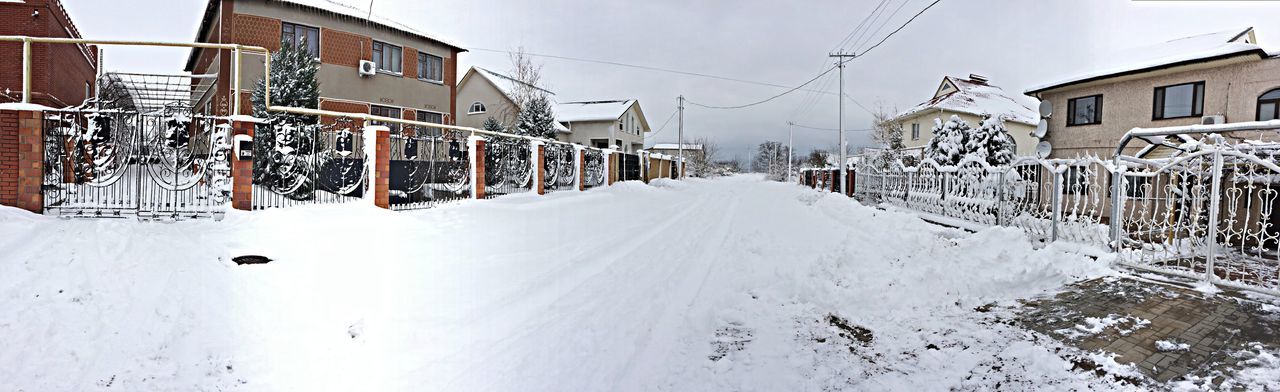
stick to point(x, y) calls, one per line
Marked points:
point(1166, 345)
point(592, 111)
point(1176, 51)
point(18, 106)
point(980, 99)
point(699, 285)
point(361, 11)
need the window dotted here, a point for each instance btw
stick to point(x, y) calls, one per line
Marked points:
point(385, 112)
point(1085, 110)
point(915, 131)
point(476, 108)
point(301, 37)
point(430, 67)
point(1136, 187)
point(388, 57)
point(1179, 101)
point(431, 117)
point(1076, 181)
point(1269, 105)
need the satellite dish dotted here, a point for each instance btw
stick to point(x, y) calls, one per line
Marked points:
point(1044, 149)
point(1046, 109)
point(1041, 129)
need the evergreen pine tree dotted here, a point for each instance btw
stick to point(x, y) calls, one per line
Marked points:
point(492, 125)
point(947, 147)
point(536, 119)
point(280, 139)
point(991, 143)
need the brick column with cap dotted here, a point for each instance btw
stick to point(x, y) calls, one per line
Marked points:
point(382, 167)
point(582, 169)
point(242, 169)
point(475, 147)
point(21, 134)
point(539, 173)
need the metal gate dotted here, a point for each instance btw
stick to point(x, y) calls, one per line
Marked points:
point(297, 162)
point(594, 169)
point(508, 166)
point(560, 167)
point(163, 164)
point(630, 170)
point(429, 166)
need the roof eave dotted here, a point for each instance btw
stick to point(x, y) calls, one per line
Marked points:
point(1262, 54)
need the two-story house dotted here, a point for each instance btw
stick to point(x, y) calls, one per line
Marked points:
point(1210, 78)
point(414, 73)
point(68, 83)
point(602, 124)
point(971, 99)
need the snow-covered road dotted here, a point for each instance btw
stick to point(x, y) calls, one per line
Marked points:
point(729, 284)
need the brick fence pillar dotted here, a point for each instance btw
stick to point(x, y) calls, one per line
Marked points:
point(539, 173)
point(382, 167)
point(30, 161)
point(475, 147)
point(611, 166)
point(582, 169)
point(242, 133)
point(9, 157)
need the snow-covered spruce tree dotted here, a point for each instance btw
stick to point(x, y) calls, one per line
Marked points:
point(889, 134)
point(536, 119)
point(492, 125)
point(992, 143)
point(283, 137)
point(947, 147)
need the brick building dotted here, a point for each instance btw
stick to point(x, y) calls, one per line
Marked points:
point(71, 81)
point(415, 74)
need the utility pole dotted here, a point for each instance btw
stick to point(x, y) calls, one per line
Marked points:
point(680, 139)
point(840, 165)
point(791, 133)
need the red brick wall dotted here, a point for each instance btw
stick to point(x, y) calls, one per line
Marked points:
point(242, 171)
point(258, 31)
point(451, 80)
point(30, 162)
point(8, 157)
point(343, 48)
point(52, 86)
point(410, 62)
point(345, 107)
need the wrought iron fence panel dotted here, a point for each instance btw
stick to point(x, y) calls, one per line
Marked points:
point(508, 166)
point(1085, 200)
point(429, 166)
point(629, 167)
point(594, 168)
point(298, 162)
point(560, 167)
point(1023, 201)
point(106, 162)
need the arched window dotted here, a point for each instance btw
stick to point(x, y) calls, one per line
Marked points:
point(476, 108)
point(1269, 105)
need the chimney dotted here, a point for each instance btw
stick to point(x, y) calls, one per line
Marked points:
point(978, 78)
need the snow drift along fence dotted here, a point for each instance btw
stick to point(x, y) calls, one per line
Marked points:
point(1211, 211)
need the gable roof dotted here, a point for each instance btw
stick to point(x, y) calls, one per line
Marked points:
point(342, 8)
point(505, 84)
point(593, 110)
point(1182, 51)
point(977, 97)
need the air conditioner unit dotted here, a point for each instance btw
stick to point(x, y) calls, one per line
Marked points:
point(1213, 120)
point(368, 68)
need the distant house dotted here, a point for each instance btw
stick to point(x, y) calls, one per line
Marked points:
point(485, 93)
point(62, 74)
point(971, 99)
point(413, 73)
point(692, 152)
point(1211, 78)
point(602, 124)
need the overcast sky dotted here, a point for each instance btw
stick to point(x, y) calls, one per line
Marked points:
point(1015, 43)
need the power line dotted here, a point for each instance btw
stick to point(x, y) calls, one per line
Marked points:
point(766, 99)
point(859, 27)
point(882, 24)
point(646, 67)
point(895, 31)
point(664, 124)
point(832, 129)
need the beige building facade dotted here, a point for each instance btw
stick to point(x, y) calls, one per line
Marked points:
point(970, 99)
point(1230, 84)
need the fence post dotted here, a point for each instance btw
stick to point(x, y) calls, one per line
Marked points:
point(1211, 252)
point(30, 160)
point(539, 158)
point(380, 171)
point(1000, 198)
point(475, 147)
point(608, 165)
point(1117, 203)
point(242, 133)
point(1057, 204)
point(581, 166)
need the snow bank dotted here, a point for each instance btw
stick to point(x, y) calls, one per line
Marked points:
point(728, 284)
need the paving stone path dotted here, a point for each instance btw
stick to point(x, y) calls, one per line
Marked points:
point(1166, 331)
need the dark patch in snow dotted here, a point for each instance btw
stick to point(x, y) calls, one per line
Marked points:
point(251, 259)
point(849, 330)
point(731, 338)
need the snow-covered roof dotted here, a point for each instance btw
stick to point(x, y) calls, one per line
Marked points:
point(592, 110)
point(348, 8)
point(977, 97)
point(508, 85)
point(1199, 48)
point(675, 146)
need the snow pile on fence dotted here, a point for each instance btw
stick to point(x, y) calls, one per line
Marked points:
point(732, 284)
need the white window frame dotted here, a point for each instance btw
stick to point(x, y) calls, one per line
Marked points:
point(471, 109)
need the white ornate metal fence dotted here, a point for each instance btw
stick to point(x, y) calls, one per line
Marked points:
point(1208, 208)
